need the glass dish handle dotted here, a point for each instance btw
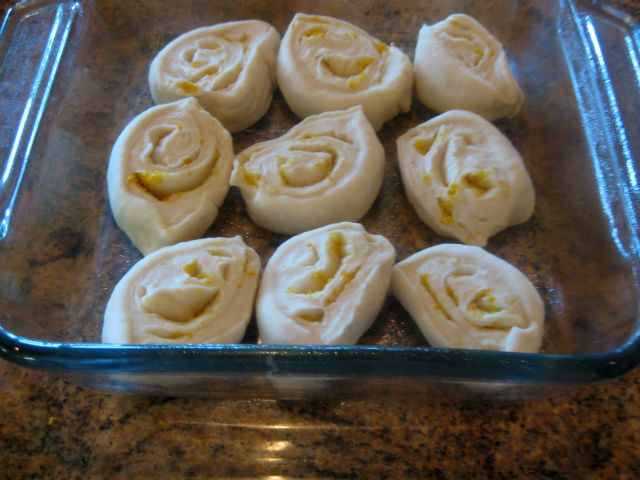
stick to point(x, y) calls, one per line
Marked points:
point(593, 36)
point(32, 40)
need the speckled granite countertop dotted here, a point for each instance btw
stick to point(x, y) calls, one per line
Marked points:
point(51, 428)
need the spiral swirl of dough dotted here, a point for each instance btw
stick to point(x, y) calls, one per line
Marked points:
point(168, 173)
point(462, 296)
point(229, 68)
point(200, 291)
point(459, 64)
point(463, 177)
point(329, 64)
point(324, 287)
point(326, 169)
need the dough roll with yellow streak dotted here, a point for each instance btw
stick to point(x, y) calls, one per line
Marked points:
point(200, 291)
point(168, 174)
point(462, 296)
point(463, 177)
point(329, 64)
point(326, 169)
point(324, 287)
point(459, 64)
point(228, 67)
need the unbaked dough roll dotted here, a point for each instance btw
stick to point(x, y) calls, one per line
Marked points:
point(463, 177)
point(329, 64)
point(168, 173)
point(229, 68)
point(201, 291)
point(459, 64)
point(324, 287)
point(326, 169)
point(462, 296)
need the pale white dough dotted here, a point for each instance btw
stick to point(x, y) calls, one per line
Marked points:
point(324, 287)
point(200, 291)
point(463, 177)
point(229, 68)
point(459, 64)
point(168, 174)
point(326, 169)
point(329, 64)
point(462, 296)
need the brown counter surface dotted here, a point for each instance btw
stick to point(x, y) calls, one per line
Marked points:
point(51, 428)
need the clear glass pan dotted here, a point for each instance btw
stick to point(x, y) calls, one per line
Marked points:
point(73, 73)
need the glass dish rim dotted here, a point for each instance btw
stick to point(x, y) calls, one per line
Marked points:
point(371, 361)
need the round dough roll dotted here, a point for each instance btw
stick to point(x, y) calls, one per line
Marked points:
point(168, 174)
point(462, 296)
point(326, 169)
point(460, 65)
point(200, 291)
point(229, 68)
point(324, 287)
point(463, 177)
point(329, 64)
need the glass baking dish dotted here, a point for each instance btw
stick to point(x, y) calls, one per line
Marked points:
point(73, 73)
